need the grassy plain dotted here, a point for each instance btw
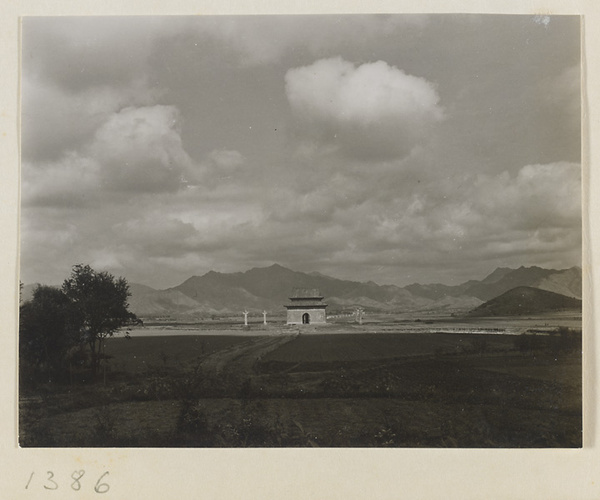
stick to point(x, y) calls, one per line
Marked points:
point(281, 388)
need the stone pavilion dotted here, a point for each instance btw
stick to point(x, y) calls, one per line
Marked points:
point(306, 307)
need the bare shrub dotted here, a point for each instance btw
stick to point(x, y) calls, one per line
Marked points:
point(192, 424)
point(105, 427)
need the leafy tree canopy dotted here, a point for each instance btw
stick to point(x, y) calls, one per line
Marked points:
point(100, 303)
point(47, 328)
point(89, 307)
point(99, 299)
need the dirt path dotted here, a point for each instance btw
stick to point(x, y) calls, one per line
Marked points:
point(242, 357)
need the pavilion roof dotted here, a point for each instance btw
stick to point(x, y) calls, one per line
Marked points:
point(306, 293)
point(300, 304)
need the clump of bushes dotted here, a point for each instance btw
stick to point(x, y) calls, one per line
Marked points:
point(105, 427)
point(528, 342)
point(192, 424)
point(254, 428)
point(561, 340)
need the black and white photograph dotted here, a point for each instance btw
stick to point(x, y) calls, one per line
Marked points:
point(301, 231)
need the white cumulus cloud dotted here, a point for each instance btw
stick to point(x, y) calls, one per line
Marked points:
point(140, 149)
point(371, 111)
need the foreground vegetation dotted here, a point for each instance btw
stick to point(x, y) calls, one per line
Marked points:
point(64, 328)
point(417, 390)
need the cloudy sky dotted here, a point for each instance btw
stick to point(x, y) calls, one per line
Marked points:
point(397, 149)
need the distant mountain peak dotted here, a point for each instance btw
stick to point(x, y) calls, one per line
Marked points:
point(272, 267)
point(497, 274)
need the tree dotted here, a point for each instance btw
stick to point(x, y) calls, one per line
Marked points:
point(100, 304)
point(47, 330)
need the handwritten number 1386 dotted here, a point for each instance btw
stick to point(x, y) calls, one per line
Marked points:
point(51, 484)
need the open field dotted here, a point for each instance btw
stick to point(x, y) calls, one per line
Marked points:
point(317, 389)
point(378, 346)
point(141, 354)
point(411, 322)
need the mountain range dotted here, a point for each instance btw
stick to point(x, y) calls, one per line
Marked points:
point(268, 288)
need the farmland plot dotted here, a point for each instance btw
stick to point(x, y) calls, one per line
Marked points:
point(318, 390)
point(356, 347)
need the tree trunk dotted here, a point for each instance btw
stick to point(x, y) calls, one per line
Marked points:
point(104, 359)
point(95, 360)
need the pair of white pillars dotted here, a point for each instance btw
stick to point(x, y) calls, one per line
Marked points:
point(245, 313)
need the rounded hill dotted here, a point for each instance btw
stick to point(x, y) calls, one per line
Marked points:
point(524, 300)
